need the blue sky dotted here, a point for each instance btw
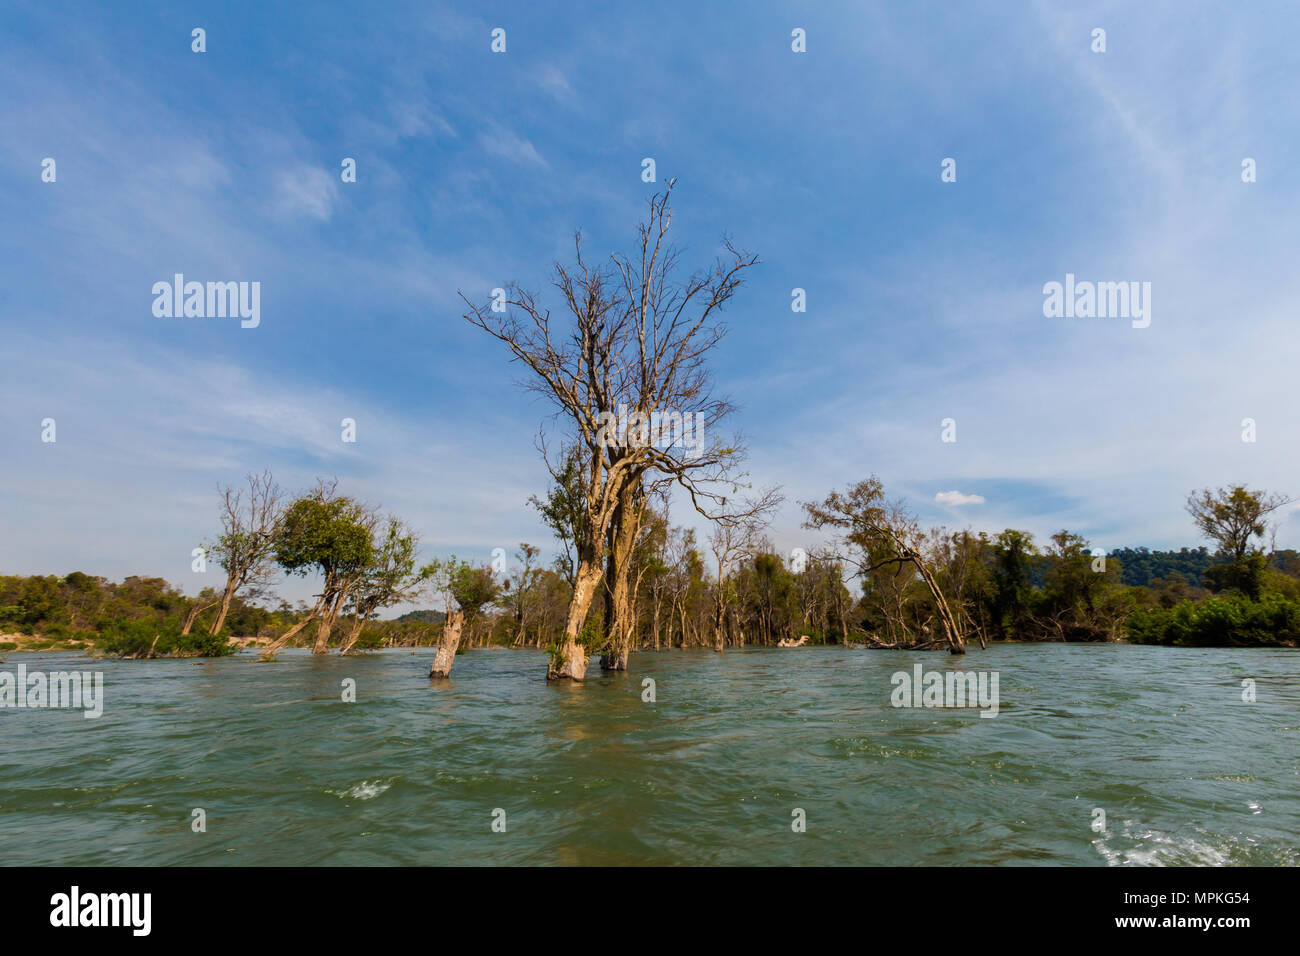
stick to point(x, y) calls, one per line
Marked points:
point(475, 168)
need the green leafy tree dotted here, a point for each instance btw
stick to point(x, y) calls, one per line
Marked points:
point(1234, 519)
point(332, 535)
point(391, 578)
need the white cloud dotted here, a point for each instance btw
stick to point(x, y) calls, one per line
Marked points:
point(956, 499)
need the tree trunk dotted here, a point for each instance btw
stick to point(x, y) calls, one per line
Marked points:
point(620, 604)
point(615, 659)
point(620, 632)
point(284, 638)
point(446, 655)
point(956, 643)
point(288, 635)
point(226, 598)
point(326, 625)
point(571, 658)
point(654, 624)
point(323, 628)
point(193, 616)
point(358, 622)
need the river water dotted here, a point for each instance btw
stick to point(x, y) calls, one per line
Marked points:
point(714, 771)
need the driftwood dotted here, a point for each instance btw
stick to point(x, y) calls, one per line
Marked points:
point(874, 644)
point(786, 642)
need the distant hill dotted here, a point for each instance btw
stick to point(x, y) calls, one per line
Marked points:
point(1140, 566)
point(425, 617)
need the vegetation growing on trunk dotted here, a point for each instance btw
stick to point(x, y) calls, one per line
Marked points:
point(467, 590)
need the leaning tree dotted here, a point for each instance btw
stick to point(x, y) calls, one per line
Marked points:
point(325, 533)
point(874, 534)
point(392, 577)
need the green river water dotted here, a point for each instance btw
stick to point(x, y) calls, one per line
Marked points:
point(711, 772)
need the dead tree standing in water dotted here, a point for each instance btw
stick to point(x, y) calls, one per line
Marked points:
point(632, 354)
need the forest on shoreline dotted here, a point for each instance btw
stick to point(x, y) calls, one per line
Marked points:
point(1005, 587)
point(623, 363)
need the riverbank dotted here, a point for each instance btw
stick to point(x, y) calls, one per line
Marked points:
point(36, 644)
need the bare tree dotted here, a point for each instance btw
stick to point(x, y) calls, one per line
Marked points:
point(250, 518)
point(958, 556)
point(632, 356)
point(206, 598)
point(730, 542)
point(524, 585)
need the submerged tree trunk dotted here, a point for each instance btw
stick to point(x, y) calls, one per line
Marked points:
point(570, 661)
point(288, 635)
point(358, 622)
point(323, 628)
point(621, 608)
point(654, 623)
point(446, 655)
point(614, 659)
point(327, 623)
point(624, 621)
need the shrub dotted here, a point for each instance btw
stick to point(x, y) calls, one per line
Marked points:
point(152, 638)
point(1229, 621)
point(58, 632)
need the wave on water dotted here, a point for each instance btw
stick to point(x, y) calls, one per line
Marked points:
point(1154, 848)
point(365, 790)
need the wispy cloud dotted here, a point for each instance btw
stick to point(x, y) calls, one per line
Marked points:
point(955, 499)
point(554, 81)
point(924, 298)
point(306, 191)
point(499, 141)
